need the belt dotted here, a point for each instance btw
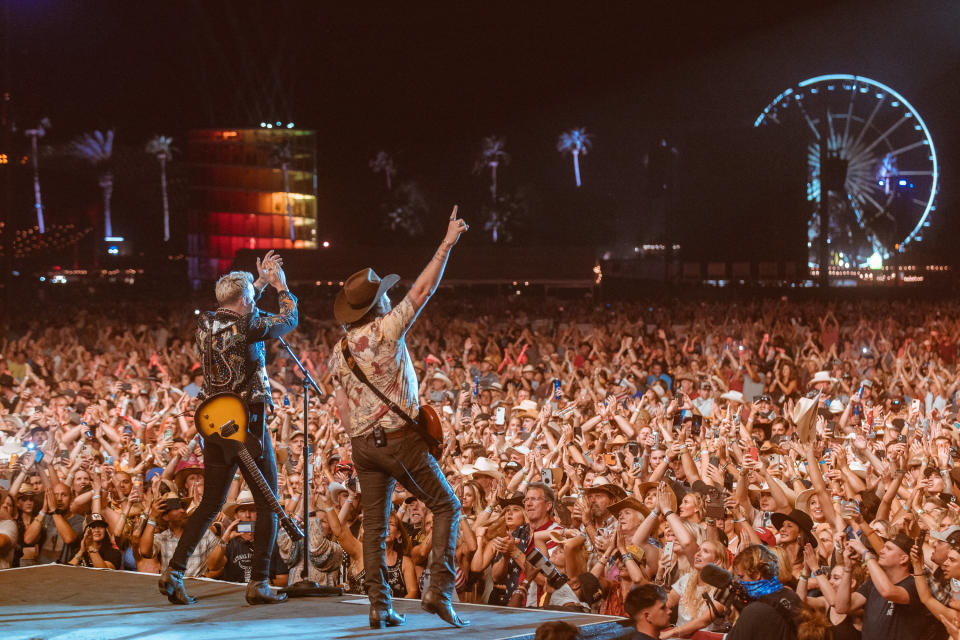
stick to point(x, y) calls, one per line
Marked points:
point(391, 435)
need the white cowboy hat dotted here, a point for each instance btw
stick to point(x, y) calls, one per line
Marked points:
point(836, 406)
point(483, 466)
point(732, 396)
point(334, 489)
point(822, 377)
point(804, 415)
point(527, 409)
point(657, 389)
point(244, 499)
point(439, 375)
point(519, 450)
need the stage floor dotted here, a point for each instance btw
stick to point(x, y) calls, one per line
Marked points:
point(75, 603)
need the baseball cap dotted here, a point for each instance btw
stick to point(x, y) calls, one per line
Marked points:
point(945, 535)
point(903, 541)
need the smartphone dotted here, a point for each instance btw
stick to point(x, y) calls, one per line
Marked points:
point(108, 461)
point(668, 551)
point(476, 385)
point(715, 461)
point(922, 537)
point(39, 456)
point(610, 459)
point(754, 453)
point(556, 389)
point(286, 401)
point(501, 416)
point(168, 434)
point(546, 476)
point(245, 527)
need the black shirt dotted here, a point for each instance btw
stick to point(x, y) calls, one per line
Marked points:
point(240, 553)
point(770, 618)
point(884, 620)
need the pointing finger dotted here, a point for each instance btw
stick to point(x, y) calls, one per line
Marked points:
point(453, 215)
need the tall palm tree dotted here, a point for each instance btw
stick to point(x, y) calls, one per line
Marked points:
point(575, 142)
point(383, 162)
point(161, 147)
point(36, 133)
point(281, 157)
point(97, 149)
point(491, 156)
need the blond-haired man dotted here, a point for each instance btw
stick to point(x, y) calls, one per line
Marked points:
point(233, 357)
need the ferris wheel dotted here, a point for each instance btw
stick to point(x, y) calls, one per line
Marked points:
point(883, 198)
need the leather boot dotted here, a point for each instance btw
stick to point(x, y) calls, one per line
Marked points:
point(380, 618)
point(434, 602)
point(171, 585)
point(259, 592)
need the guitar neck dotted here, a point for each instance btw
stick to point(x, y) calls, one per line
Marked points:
point(254, 472)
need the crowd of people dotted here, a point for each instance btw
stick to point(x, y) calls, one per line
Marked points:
point(603, 455)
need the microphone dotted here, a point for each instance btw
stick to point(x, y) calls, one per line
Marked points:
point(716, 576)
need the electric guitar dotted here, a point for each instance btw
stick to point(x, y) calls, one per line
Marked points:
point(222, 421)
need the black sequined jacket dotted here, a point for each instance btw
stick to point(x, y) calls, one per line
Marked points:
point(232, 350)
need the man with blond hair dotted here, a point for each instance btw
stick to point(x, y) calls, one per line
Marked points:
point(230, 341)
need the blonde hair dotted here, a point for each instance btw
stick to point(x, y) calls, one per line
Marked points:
point(692, 595)
point(232, 286)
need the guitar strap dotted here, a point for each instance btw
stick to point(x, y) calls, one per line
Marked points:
point(355, 368)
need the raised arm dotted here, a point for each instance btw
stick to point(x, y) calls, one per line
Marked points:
point(429, 278)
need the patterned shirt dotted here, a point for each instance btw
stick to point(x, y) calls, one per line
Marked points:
point(234, 359)
point(381, 353)
point(165, 543)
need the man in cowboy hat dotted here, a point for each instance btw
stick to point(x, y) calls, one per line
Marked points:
point(385, 447)
point(232, 559)
point(231, 344)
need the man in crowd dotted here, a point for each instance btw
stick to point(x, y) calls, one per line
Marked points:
point(892, 610)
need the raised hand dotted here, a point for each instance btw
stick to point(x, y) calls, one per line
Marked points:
point(455, 227)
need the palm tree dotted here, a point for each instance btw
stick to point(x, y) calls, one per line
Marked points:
point(383, 162)
point(97, 149)
point(575, 142)
point(491, 155)
point(281, 156)
point(162, 148)
point(37, 132)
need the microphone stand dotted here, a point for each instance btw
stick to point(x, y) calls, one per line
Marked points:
point(304, 587)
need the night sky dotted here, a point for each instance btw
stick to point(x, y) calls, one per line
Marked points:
point(426, 81)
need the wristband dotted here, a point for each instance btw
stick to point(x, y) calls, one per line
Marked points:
point(869, 555)
point(329, 509)
point(151, 523)
point(667, 514)
point(803, 577)
point(655, 511)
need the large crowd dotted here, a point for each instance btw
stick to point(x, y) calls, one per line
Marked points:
point(595, 449)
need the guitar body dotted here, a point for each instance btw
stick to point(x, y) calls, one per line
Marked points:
point(430, 424)
point(222, 421)
point(222, 409)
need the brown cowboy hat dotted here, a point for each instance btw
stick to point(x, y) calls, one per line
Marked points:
point(360, 292)
point(629, 503)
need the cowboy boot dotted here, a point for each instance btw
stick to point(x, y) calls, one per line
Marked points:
point(380, 618)
point(259, 592)
point(171, 585)
point(435, 602)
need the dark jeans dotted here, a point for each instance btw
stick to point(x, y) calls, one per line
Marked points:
point(217, 475)
point(407, 460)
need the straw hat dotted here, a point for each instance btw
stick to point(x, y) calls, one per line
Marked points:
point(618, 441)
point(360, 292)
point(804, 415)
point(245, 499)
point(803, 500)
